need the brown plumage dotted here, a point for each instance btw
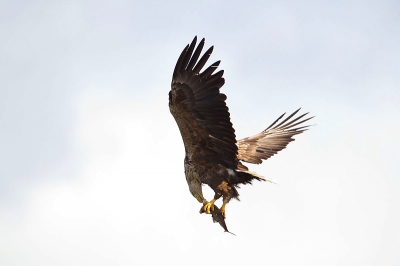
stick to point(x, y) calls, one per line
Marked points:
point(212, 153)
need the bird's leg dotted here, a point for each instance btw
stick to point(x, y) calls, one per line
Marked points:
point(226, 200)
point(208, 207)
point(195, 189)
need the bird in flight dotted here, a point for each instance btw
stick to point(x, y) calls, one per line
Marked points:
point(213, 156)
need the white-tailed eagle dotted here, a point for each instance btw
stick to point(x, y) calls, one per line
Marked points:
point(213, 155)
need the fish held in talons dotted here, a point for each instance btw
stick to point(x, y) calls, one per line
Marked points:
point(218, 217)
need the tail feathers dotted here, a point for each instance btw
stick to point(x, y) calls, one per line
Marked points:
point(246, 177)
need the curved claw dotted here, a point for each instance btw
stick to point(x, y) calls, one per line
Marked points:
point(208, 207)
point(223, 207)
point(223, 210)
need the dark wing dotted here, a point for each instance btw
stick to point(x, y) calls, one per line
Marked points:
point(273, 139)
point(200, 110)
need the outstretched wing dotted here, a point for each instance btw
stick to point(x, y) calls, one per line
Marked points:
point(273, 139)
point(200, 110)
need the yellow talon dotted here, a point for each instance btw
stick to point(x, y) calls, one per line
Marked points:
point(222, 209)
point(209, 206)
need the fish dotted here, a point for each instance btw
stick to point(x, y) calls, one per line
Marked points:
point(218, 217)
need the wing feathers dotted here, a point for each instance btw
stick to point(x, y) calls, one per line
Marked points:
point(188, 54)
point(200, 109)
point(284, 121)
point(210, 70)
point(196, 55)
point(272, 140)
point(179, 63)
point(275, 122)
point(204, 120)
point(203, 60)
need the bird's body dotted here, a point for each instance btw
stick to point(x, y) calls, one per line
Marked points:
point(212, 153)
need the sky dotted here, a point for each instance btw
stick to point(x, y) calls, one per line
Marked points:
point(91, 160)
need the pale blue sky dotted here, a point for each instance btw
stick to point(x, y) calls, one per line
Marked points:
point(91, 161)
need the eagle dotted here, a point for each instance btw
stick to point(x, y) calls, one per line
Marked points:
point(213, 156)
